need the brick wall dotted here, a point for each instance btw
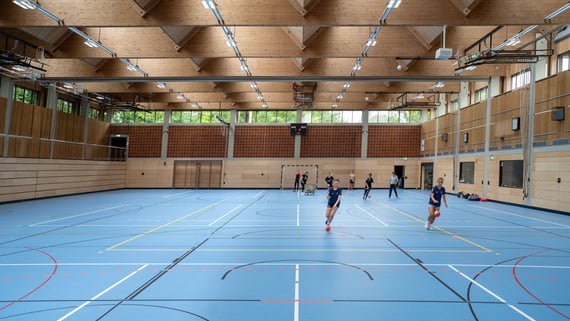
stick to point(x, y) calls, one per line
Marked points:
point(144, 141)
point(264, 142)
point(332, 141)
point(197, 141)
point(393, 141)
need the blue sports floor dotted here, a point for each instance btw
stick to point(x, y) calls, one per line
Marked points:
point(233, 255)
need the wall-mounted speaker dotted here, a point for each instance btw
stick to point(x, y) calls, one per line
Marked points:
point(558, 113)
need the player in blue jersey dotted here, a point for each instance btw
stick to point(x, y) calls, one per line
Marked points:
point(435, 197)
point(334, 196)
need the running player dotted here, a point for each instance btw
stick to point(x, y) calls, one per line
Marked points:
point(334, 197)
point(435, 197)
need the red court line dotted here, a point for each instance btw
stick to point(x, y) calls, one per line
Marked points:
point(528, 291)
point(291, 300)
point(39, 286)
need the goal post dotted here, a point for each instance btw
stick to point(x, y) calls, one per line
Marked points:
point(288, 174)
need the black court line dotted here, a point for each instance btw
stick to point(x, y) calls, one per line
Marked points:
point(420, 263)
point(155, 278)
point(294, 261)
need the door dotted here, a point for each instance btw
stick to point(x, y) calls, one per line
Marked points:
point(400, 172)
point(426, 178)
point(197, 174)
point(119, 145)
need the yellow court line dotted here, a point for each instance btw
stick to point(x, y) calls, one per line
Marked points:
point(439, 228)
point(160, 227)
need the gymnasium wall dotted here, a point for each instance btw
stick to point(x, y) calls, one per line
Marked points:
point(277, 173)
point(551, 144)
point(29, 178)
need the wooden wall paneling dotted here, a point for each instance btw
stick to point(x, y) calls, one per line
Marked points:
point(98, 134)
point(150, 173)
point(546, 191)
point(28, 178)
point(444, 168)
point(3, 108)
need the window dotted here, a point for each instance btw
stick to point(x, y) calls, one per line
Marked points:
point(65, 106)
point(265, 117)
point(467, 172)
point(394, 116)
point(198, 116)
point(564, 61)
point(138, 117)
point(332, 116)
point(480, 94)
point(511, 174)
point(520, 79)
point(26, 95)
point(94, 113)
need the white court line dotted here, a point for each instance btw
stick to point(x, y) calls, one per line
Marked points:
point(508, 267)
point(374, 217)
point(228, 213)
point(296, 309)
point(175, 195)
point(522, 216)
point(101, 293)
point(298, 214)
point(77, 215)
point(492, 294)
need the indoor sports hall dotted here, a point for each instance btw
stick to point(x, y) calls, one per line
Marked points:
point(255, 254)
point(295, 160)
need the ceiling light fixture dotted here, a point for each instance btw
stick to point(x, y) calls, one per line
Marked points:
point(88, 39)
point(209, 4)
point(231, 42)
point(513, 38)
point(394, 3)
point(557, 12)
point(91, 43)
point(371, 42)
point(25, 4)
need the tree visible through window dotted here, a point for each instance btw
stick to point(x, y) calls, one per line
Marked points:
point(26, 95)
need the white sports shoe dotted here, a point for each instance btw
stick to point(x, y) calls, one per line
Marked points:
point(427, 225)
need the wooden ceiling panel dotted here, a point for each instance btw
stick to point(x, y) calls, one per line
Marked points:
point(183, 44)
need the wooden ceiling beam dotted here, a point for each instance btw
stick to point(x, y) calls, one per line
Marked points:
point(340, 12)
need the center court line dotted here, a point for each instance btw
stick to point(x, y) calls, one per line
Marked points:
point(228, 213)
point(77, 215)
point(162, 226)
point(298, 214)
point(369, 214)
point(296, 309)
point(101, 293)
point(492, 294)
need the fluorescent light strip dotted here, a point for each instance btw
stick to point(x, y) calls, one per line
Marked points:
point(25, 4)
point(558, 11)
point(231, 42)
point(370, 43)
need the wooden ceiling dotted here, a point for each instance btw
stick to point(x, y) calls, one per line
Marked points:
point(287, 53)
